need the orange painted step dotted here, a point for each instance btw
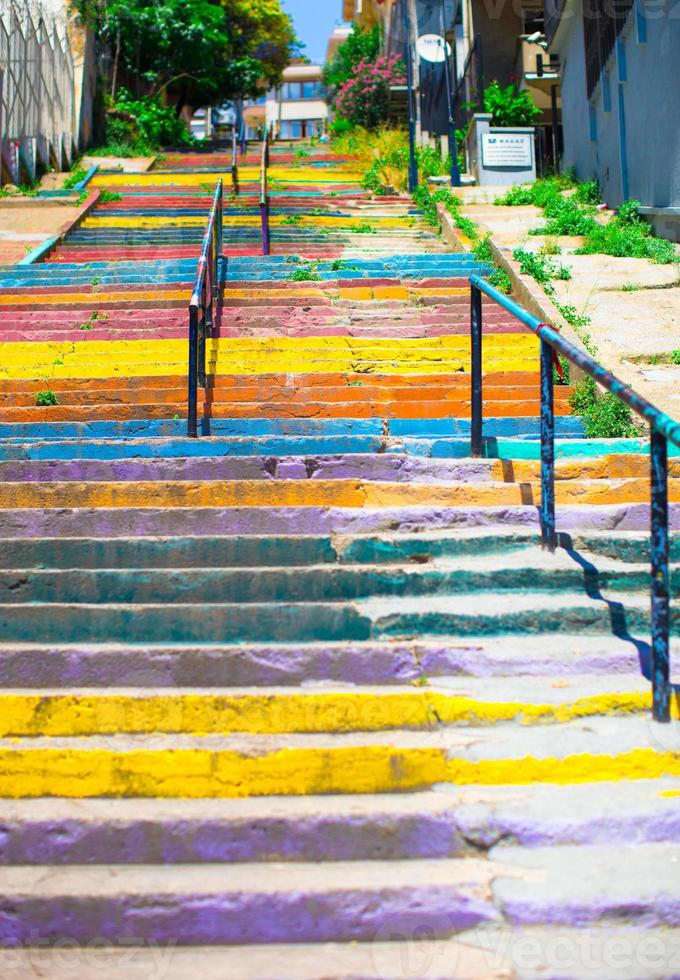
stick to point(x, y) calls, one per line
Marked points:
point(461, 379)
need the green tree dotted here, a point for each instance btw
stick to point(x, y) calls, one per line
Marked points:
point(192, 53)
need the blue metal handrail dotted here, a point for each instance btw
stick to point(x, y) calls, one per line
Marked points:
point(234, 163)
point(202, 306)
point(662, 430)
point(264, 194)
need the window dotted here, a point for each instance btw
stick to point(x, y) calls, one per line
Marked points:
point(301, 90)
point(312, 90)
point(290, 130)
point(603, 21)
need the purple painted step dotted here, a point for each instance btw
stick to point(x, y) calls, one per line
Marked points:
point(113, 522)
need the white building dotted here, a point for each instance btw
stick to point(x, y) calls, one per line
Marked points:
point(297, 109)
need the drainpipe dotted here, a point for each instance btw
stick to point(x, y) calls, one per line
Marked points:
point(413, 165)
point(448, 70)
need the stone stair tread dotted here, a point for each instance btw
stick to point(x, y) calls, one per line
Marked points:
point(513, 689)
point(585, 885)
point(598, 737)
point(471, 806)
point(151, 881)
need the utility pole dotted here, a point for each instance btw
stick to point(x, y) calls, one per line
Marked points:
point(448, 71)
point(413, 165)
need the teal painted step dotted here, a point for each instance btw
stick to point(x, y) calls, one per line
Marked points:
point(521, 427)
point(470, 615)
point(314, 584)
point(299, 550)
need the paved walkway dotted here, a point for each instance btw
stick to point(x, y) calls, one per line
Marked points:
point(304, 697)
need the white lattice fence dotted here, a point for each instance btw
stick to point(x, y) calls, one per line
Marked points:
point(37, 118)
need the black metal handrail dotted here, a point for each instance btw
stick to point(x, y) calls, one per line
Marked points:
point(202, 306)
point(234, 163)
point(264, 194)
point(662, 430)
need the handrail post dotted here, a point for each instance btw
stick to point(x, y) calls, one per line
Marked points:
point(660, 577)
point(264, 196)
point(548, 532)
point(220, 232)
point(192, 412)
point(476, 408)
point(234, 164)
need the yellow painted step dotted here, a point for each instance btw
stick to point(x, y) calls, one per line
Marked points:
point(202, 772)
point(276, 713)
point(155, 178)
point(343, 222)
point(269, 355)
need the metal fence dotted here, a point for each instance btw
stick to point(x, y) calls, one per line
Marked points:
point(37, 91)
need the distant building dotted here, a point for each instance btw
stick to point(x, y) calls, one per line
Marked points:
point(297, 109)
point(338, 36)
point(621, 101)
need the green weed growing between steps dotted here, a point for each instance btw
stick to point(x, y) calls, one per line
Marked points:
point(305, 273)
point(46, 397)
point(604, 415)
point(570, 208)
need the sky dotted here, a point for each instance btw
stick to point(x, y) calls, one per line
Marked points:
point(314, 20)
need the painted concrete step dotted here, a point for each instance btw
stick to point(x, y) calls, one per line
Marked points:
point(523, 426)
point(592, 750)
point(74, 522)
point(390, 465)
point(465, 821)
point(197, 904)
point(223, 551)
point(529, 570)
point(381, 617)
point(322, 493)
point(440, 405)
point(246, 551)
point(56, 664)
point(30, 713)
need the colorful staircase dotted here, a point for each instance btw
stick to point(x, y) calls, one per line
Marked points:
point(304, 697)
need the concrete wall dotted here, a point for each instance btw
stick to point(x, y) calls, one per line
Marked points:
point(645, 75)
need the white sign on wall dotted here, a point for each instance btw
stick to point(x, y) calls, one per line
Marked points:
point(507, 150)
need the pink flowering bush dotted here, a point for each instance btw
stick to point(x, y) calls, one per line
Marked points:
point(364, 98)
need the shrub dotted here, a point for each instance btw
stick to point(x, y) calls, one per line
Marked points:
point(159, 125)
point(361, 45)
point(364, 98)
point(509, 106)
